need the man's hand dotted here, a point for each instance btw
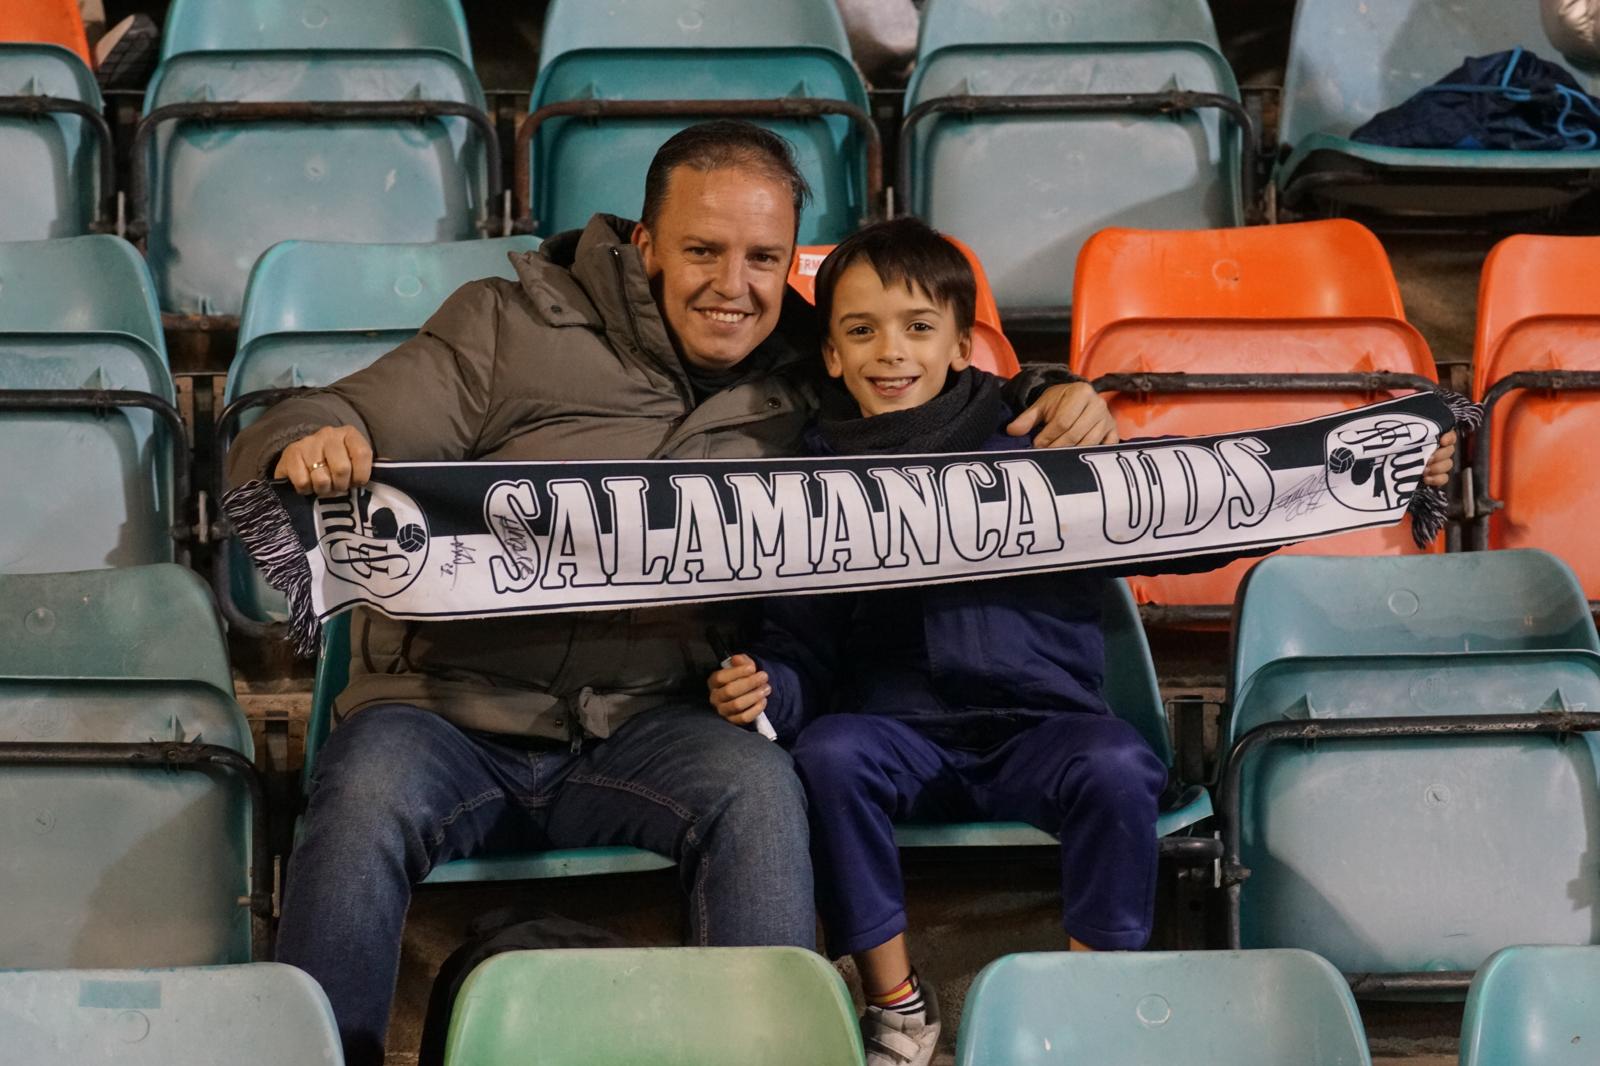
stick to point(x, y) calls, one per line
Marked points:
point(739, 692)
point(328, 462)
point(1073, 416)
point(1440, 462)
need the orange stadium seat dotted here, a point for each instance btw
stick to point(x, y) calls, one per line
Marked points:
point(45, 22)
point(1244, 308)
point(991, 350)
point(1537, 362)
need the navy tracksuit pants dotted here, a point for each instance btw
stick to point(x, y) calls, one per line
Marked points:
point(1088, 778)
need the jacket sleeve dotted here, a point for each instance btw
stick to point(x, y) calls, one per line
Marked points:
point(1033, 379)
point(428, 399)
point(800, 650)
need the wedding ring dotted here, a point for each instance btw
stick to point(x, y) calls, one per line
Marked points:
point(318, 465)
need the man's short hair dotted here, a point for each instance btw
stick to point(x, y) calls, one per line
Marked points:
point(718, 145)
point(908, 251)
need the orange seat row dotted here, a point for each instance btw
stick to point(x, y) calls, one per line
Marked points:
point(45, 22)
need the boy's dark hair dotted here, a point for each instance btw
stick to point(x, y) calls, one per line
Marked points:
point(716, 145)
point(911, 252)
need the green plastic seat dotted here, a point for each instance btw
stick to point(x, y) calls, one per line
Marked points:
point(1347, 62)
point(317, 311)
point(691, 50)
point(50, 166)
point(1299, 605)
point(260, 1015)
point(1414, 855)
point(1534, 1006)
point(221, 194)
point(654, 1007)
point(1200, 1008)
point(97, 487)
point(113, 866)
point(1133, 693)
point(1026, 190)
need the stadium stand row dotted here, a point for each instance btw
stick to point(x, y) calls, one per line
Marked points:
point(368, 124)
point(1532, 1006)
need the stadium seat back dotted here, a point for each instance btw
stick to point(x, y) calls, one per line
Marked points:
point(580, 167)
point(123, 867)
point(222, 194)
point(991, 350)
point(153, 623)
point(1292, 606)
point(56, 22)
point(1030, 189)
point(1203, 1008)
point(947, 23)
point(1306, 298)
point(217, 1015)
point(354, 25)
point(97, 488)
point(1415, 854)
point(315, 312)
point(51, 169)
point(1347, 62)
point(1534, 1006)
point(113, 866)
point(654, 1007)
point(574, 25)
point(1536, 312)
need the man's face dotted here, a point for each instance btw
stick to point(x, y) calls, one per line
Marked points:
point(718, 260)
point(893, 346)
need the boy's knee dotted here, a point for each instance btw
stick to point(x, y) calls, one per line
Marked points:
point(1116, 764)
point(837, 753)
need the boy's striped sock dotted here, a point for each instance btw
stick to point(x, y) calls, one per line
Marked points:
point(904, 998)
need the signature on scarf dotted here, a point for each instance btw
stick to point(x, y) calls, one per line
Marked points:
point(460, 555)
point(1304, 497)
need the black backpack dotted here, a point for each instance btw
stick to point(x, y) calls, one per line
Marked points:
point(505, 929)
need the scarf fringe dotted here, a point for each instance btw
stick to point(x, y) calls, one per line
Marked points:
point(262, 523)
point(1430, 508)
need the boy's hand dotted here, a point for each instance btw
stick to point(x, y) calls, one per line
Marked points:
point(1440, 462)
point(1073, 416)
point(739, 691)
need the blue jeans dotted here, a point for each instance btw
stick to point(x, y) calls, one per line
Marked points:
point(399, 790)
point(1088, 778)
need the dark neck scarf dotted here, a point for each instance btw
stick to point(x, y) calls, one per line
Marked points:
point(959, 419)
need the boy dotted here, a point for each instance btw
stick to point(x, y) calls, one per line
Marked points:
point(962, 702)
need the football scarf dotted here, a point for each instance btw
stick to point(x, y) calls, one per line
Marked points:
point(481, 539)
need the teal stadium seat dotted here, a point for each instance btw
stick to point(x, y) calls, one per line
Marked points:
point(1349, 61)
point(342, 121)
point(586, 151)
point(1134, 695)
point(654, 1007)
point(315, 312)
point(1097, 147)
point(260, 1015)
point(1534, 1006)
point(1200, 1008)
point(98, 453)
point(140, 852)
point(1410, 858)
point(55, 144)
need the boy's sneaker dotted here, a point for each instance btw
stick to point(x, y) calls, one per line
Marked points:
point(895, 1039)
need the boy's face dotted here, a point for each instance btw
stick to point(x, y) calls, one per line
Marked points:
point(892, 346)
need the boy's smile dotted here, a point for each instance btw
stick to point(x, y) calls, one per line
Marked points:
point(892, 345)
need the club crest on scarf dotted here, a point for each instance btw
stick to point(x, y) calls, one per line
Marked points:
point(375, 537)
point(1366, 472)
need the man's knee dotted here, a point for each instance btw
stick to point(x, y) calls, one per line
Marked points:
point(373, 774)
point(761, 788)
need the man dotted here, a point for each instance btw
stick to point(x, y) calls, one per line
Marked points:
point(676, 337)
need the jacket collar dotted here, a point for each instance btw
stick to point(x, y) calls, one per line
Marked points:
point(595, 278)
